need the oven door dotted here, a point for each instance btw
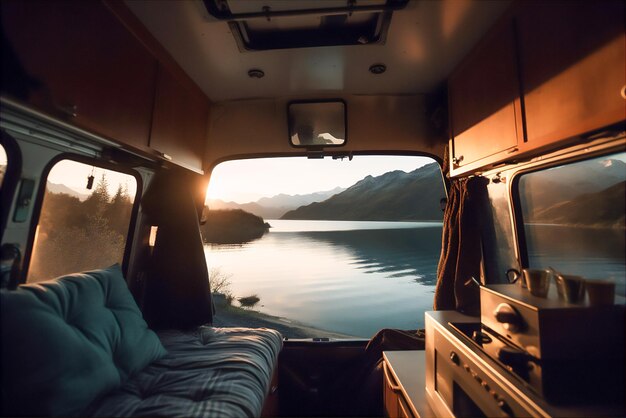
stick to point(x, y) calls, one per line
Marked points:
point(460, 383)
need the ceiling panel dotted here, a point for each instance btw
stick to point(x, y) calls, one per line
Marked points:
point(426, 40)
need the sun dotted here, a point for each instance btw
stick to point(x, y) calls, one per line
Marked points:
point(217, 189)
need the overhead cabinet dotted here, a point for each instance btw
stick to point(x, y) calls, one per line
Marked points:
point(574, 67)
point(484, 96)
point(76, 61)
point(84, 65)
point(547, 73)
point(180, 121)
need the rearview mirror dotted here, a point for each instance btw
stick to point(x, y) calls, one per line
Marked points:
point(317, 124)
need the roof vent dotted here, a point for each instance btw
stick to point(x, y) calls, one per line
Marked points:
point(276, 24)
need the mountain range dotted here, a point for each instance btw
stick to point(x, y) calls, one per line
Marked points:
point(276, 206)
point(587, 193)
point(61, 188)
point(393, 196)
point(604, 208)
point(553, 186)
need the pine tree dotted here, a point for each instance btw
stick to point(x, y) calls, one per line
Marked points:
point(97, 202)
point(119, 210)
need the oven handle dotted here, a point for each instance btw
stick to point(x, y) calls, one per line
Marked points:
point(388, 378)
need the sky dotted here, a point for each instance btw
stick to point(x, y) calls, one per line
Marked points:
point(74, 175)
point(248, 180)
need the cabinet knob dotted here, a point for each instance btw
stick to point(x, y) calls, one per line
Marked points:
point(623, 92)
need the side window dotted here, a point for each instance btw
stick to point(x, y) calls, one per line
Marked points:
point(573, 218)
point(84, 220)
point(324, 248)
point(3, 164)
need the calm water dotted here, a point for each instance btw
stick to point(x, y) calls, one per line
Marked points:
point(355, 278)
point(348, 277)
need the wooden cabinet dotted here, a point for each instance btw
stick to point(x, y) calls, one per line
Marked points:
point(404, 385)
point(573, 67)
point(83, 62)
point(548, 72)
point(391, 393)
point(89, 69)
point(179, 122)
point(484, 95)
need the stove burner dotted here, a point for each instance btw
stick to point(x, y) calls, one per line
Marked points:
point(513, 359)
point(481, 338)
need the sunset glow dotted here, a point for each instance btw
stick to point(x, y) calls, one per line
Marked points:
point(244, 181)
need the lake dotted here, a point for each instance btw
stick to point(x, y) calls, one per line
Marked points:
point(355, 278)
point(347, 277)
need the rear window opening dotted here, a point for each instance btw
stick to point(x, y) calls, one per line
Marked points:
point(84, 220)
point(324, 248)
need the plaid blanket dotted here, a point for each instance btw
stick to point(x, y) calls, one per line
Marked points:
point(210, 372)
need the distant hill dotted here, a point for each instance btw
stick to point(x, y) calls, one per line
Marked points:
point(276, 206)
point(393, 196)
point(61, 188)
point(586, 193)
point(293, 201)
point(232, 226)
point(550, 187)
point(604, 208)
point(251, 207)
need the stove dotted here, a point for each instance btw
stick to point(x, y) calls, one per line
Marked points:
point(472, 370)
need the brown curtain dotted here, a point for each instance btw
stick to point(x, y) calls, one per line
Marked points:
point(461, 248)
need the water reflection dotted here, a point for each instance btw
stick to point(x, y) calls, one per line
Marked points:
point(345, 277)
point(398, 253)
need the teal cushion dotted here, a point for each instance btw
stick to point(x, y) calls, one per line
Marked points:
point(68, 341)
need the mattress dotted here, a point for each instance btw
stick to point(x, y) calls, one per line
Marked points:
point(209, 372)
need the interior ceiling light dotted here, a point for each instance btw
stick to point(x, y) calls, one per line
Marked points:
point(378, 68)
point(276, 24)
point(256, 73)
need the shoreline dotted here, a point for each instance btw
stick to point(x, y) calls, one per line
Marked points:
point(231, 316)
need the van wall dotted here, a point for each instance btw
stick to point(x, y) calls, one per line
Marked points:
point(385, 123)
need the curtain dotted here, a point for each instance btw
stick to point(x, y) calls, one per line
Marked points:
point(461, 248)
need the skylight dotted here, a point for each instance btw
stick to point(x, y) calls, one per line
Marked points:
point(274, 24)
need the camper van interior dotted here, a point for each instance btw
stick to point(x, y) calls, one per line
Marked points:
point(401, 208)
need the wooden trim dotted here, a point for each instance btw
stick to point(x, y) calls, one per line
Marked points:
point(136, 28)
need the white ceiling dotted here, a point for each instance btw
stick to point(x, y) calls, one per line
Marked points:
point(425, 42)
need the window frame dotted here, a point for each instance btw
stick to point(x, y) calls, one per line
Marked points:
point(333, 153)
point(41, 190)
point(514, 191)
point(11, 178)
